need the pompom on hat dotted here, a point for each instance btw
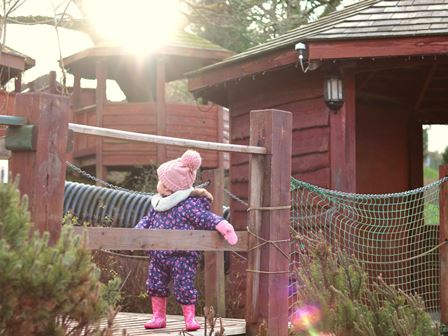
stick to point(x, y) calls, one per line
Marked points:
point(180, 173)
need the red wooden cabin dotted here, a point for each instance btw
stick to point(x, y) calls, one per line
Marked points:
point(142, 80)
point(391, 60)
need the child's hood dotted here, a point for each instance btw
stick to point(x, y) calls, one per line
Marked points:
point(160, 203)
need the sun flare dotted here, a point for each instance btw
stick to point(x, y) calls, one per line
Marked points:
point(140, 25)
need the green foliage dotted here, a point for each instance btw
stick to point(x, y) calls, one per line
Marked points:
point(445, 155)
point(347, 304)
point(47, 290)
point(239, 24)
point(430, 174)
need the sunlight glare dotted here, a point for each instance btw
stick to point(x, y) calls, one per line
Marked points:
point(140, 25)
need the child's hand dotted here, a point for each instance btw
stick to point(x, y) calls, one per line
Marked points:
point(201, 192)
point(227, 231)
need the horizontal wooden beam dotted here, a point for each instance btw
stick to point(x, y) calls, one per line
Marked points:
point(215, 75)
point(164, 140)
point(141, 239)
point(374, 48)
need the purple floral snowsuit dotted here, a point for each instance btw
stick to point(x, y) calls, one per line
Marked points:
point(178, 266)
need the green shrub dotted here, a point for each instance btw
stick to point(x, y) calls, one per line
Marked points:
point(334, 298)
point(47, 290)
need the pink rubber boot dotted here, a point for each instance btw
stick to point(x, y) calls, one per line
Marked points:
point(190, 322)
point(158, 320)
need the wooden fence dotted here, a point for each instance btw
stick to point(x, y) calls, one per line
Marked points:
point(42, 174)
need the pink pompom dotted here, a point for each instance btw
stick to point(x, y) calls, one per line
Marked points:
point(191, 159)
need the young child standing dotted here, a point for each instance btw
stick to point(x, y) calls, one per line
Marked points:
point(176, 207)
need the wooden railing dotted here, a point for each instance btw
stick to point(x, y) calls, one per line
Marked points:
point(43, 178)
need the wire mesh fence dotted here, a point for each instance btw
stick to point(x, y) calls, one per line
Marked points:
point(395, 236)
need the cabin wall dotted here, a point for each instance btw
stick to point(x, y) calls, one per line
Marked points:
point(7, 106)
point(289, 91)
point(382, 151)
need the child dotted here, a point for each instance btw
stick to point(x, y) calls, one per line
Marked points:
point(176, 207)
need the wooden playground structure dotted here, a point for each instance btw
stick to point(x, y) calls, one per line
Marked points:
point(146, 109)
point(40, 161)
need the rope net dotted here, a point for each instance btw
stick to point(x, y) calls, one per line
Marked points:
point(392, 235)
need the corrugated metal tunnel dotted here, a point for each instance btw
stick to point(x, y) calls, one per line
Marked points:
point(103, 206)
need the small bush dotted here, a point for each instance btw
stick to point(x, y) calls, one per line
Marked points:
point(334, 298)
point(47, 290)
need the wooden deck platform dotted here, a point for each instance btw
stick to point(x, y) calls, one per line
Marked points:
point(133, 323)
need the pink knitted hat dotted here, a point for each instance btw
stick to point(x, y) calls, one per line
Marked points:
point(180, 173)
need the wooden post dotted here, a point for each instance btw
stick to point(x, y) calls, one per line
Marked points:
point(443, 233)
point(52, 82)
point(101, 77)
point(18, 83)
point(42, 172)
point(214, 261)
point(267, 274)
point(161, 108)
point(343, 140)
point(76, 98)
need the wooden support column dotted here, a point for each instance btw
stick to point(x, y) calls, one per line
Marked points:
point(161, 108)
point(52, 82)
point(101, 77)
point(415, 152)
point(76, 98)
point(443, 233)
point(343, 139)
point(214, 261)
point(267, 274)
point(214, 275)
point(18, 83)
point(42, 172)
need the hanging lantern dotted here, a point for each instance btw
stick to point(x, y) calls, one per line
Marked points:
point(333, 95)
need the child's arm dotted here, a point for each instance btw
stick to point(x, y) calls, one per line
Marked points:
point(227, 231)
point(143, 223)
point(202, 218)
point(201, 192)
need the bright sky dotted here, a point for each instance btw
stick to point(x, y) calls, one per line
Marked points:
point(40, 42)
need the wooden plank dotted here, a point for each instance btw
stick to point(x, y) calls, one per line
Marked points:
point(407, 46)
point(160, 106)
point(311, 140)
point(133, 323)
point(443, 234)
point(267, 274)
point(343, 140)
point(118, 134)
point(76, 97)
point(141, 239)
point(415, 152)
point(273, 60)
point(42, 173)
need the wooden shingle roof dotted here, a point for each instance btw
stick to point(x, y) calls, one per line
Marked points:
point(365, 19)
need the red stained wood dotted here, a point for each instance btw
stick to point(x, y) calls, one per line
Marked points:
point(320, 177)
point(310, 162)
point(312, 140)
point(236, 70)
point(443, 233)
point(101, 75)
point(267, 297)
point(422, 45)
point(343, 140)
point(160, 105)
point(290, 86)
point(42, 173)
point(382, 148)
point(214, 261)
